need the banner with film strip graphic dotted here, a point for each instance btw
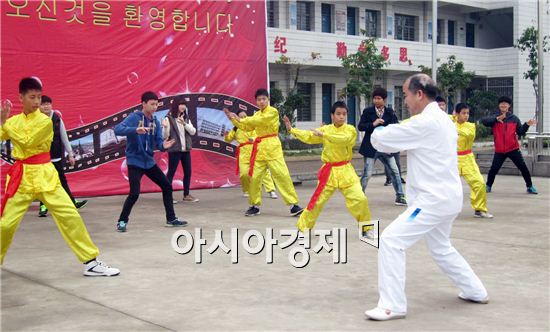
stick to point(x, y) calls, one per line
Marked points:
point(95, 68)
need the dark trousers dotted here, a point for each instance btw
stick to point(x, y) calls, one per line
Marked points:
point(517, 159)
point(59, 167)
point(174, 158)
point(155, 174)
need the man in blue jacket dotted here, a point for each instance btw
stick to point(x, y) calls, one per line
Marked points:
point(379, 115)
point(144, 134)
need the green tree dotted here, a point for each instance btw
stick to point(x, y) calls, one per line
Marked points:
point(362, 67)
point(482, 103)
point(451, 76)
point(528, 42)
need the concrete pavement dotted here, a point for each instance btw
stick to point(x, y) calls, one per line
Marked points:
point(158, 289)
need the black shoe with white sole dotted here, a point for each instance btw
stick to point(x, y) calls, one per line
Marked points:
point(296, 210)
point(252, 211)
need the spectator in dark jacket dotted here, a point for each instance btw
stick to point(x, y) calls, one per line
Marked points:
point(379, 115)
point(506, 129)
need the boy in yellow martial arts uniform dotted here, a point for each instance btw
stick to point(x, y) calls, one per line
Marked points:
point(267, 153)
point(33, 176)
point(467, 165)
point(244, 149)
point(337, 172)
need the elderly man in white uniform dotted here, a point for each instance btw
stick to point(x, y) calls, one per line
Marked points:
point(434, 193)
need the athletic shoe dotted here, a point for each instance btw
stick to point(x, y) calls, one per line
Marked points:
point(174, 202)
point(43, 211)
point(176, 223)
point(121, 226)
point(532, 190)
point(400, 200)
point(370, 234)
point(296, 210)
point(387, 183)
point(97, 268)
point(190, 198)
point(482, 214)
point(487, 188)
point(252, 211)
point(245, 194)
point(273, 195)
point(80, 204)
point(403, 181)
point(464, 298)
point(384, 314)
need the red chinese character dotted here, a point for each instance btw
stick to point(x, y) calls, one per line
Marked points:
point(280, 43)
point(385, 52)
point(362, 48)
point(341, 50)
point(403, 54)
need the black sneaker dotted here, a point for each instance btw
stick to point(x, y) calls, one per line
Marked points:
point(121, 226)
point(252, 211)
point(387, 183)
point(403, 181)
point(296, 210)
point(80, 204)
point(43, 211)
point(400, 200)
point(176, 223)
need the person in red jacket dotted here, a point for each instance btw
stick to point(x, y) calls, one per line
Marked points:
point(506, 129)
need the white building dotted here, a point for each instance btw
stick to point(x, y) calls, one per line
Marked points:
point(480, 33)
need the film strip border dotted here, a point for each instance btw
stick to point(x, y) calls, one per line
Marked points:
point(95, 152)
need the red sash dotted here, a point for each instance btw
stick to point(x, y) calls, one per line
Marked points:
point(238, 154)
point(323, 175)
point(16, 174)
point(255, 152)
point(463, 153)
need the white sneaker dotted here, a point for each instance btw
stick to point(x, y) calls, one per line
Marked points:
point(245, 194)
point(97, 268)
point(464, 298)
point(371, 235)
point(482, 214)
point(384, 314)
point(273, 195)
point(174, 202)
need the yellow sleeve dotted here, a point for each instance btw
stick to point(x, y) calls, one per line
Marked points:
point(306, 136)
point(231, 136)
point(3, 134)
point(259, 118)
point(347, 136)
point(43, 132)
point(472, 130)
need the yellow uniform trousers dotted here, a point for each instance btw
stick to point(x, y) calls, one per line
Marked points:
point(64, 213)
point(468, 169)
point(281, 178)
point(267, 181)
point(356, 201)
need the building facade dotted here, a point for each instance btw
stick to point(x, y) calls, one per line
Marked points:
point(312, 36)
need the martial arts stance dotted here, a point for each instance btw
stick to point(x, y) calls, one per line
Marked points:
point(506, 129)
point(33, 176)
point(467, 166)
point(242, 154)
point(434, 192)
point(337, 171)
point(266, 154)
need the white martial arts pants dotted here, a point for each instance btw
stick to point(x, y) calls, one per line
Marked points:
point(402, 233)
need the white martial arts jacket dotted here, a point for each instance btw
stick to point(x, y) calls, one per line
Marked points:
point(430, 140)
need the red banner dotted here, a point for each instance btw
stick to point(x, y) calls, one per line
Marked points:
point(96, 58)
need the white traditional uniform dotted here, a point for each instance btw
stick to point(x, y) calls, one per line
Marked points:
point(434, 195)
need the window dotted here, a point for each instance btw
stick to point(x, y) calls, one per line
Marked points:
point(470, 35)
point(304, 15)
point(440, 31)
point(371, 23)
point(305, 112)
point(327, 101)
point(405, 27)
point(326, 18)
point(272, 14)
point(502, 86)
point(451, 32)
point(399, 101)
point(352, 21)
